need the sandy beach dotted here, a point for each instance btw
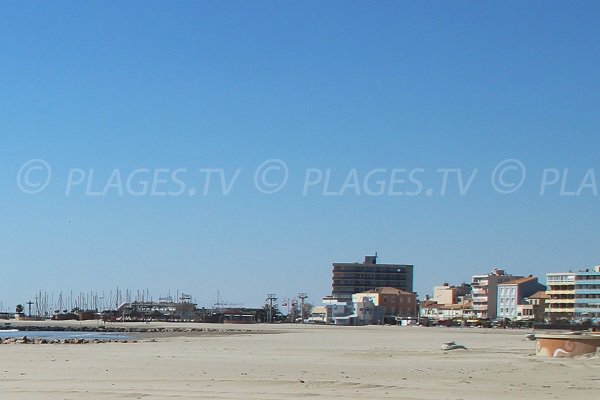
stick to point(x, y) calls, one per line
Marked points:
point(299, 362)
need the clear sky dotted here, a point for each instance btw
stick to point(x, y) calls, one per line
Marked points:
point(349, 87)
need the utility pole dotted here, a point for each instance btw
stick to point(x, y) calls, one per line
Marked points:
point(271, 298)
point(29, 303)
point(302, 296)
point(294, 304)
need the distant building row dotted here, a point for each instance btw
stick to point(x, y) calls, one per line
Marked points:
point(367, 292)
point(570, 296)
point(496, 295)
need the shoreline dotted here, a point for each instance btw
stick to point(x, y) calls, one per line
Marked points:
point(133, 331)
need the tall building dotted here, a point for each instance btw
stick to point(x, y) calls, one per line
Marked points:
point(351, 278)
point(485, 291)
point(512, 294)
point(587, 294)
point(574, 295)
point(561, 291)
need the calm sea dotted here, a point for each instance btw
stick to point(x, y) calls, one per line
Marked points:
point(51, 335)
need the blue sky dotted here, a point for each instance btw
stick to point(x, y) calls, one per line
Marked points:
point(339, 85)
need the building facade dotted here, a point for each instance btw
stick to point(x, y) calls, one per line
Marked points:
point(351, 278)
point(448, 295)
point(436, 312)
point(574, 296)
point(392, 302)
point(335, 309)
point(560, 304)
point(162, 310)
point(366, 312)
point(535, 307)
point(512, 294)
point(485, 291)
point(587, 295)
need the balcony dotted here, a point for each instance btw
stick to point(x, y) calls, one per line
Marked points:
point(560, 301)
point(591, 280)
point(559, 310)
point(588, 291)
point(569, 296)
point(551, 292)
point(560, 305)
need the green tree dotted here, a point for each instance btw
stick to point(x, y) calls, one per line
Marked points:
point(19, 308)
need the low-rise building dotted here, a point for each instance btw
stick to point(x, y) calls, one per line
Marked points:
point(395, 303)
point(318, 314)
point(436, 312)
point(335, 309)
point(366, 312)
point(535, 306)
point(162, 310)
point(512, 294)
point(446, 294)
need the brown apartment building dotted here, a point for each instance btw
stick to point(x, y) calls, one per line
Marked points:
point(351, 278)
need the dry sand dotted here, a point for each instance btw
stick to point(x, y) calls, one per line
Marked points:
point(306, 362)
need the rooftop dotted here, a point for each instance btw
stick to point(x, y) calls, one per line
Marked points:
point(433, 304)
point(519, 281)
point(539, 295)
point(387, 290)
